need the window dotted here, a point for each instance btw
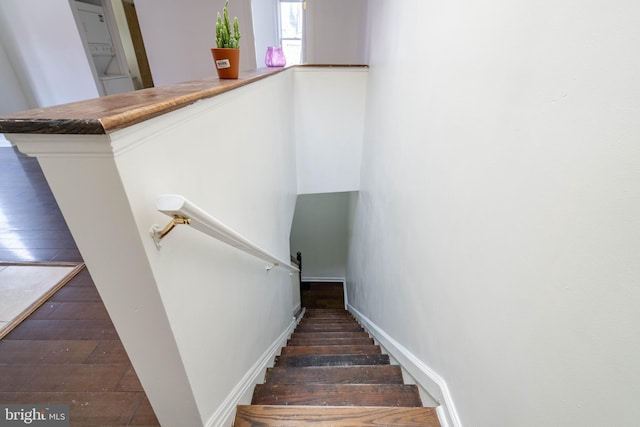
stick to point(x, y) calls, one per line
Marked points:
point(291, 22)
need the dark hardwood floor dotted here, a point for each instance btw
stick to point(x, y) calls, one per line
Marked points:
point(322, 295)
point(67, 351)
point(32, 228)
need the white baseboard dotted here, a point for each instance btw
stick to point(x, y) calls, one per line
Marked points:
point(225, 414)
point(297, 308)
point(323, 279)
point(425, 377)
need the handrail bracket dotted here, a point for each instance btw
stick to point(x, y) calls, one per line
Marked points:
point(158, 234)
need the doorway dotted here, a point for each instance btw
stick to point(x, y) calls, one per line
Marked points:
point(114, 44)
point(146, 80)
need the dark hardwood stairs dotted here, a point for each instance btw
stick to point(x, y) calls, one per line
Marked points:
point(332, 374)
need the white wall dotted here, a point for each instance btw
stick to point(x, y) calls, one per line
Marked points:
point(13, 98)
point(499, 206)
point(265, 27)
point(43, 44)
point(329, 123)
point(319, 232)
point(178, 37)
point(336, 31)
point(241, 307)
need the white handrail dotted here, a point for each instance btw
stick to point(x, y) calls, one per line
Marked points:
point(184, 212)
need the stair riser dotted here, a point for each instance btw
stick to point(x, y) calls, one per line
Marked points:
point(323, 335)
point(374, 374)
point(324, 321)
point(330, 327)
point(309, 315)
point(328, 316)
point(332, 360)
point(330, 341)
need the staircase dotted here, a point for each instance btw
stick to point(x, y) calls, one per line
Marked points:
point(332, 374)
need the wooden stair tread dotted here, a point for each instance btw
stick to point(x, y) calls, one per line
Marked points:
point(323, 296)
point(329, 341)
point(332, 360)
point(327, 322)
point(325, 319)
point(337, 395)
point(329, 317)
point(327, 416)
point(329, 327)
point(368, 374)
point(317, 335)
point(330, 349)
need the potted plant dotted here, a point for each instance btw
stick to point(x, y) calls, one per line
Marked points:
point(227, 54)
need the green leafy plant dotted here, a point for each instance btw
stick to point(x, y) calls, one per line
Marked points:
point(225, 37)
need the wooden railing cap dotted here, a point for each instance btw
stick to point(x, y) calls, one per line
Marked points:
point(110, 113)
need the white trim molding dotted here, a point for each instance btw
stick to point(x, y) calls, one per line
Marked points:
point(4, 142)
point(225, 414)
point(298, 308)
point(425, 377)
point(323, 279)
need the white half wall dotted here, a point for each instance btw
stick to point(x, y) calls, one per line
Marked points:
point(329, 124)
point(179, 35)
point(497, 231)
point(42, 41)
point(197, 315)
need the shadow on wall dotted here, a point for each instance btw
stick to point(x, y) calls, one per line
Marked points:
point(320, 230)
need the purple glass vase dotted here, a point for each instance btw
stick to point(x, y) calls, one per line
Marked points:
point(275, 57)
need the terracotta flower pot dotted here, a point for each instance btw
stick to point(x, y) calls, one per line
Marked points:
point(227, 62)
